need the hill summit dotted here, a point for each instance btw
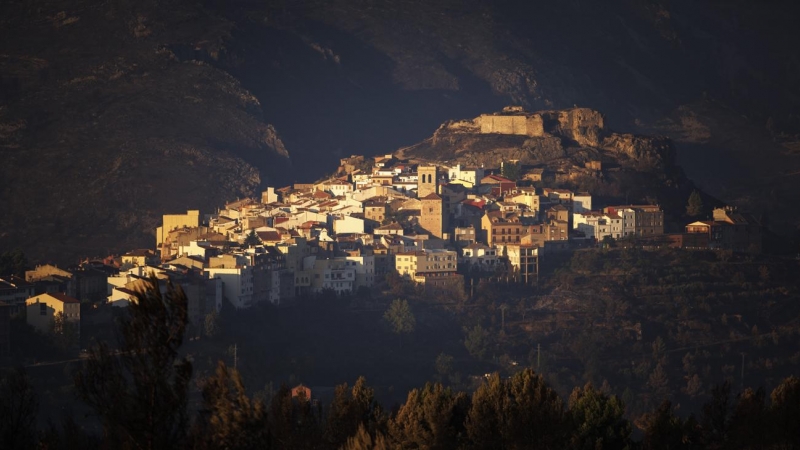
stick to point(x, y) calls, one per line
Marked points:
point(562, 140)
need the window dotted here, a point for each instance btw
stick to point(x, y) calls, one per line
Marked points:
point(42, 309)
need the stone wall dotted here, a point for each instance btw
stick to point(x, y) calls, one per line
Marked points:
point(583, 125)
point(504, 124)
point(521, 125)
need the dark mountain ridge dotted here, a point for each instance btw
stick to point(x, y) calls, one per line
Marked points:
point(112, 114)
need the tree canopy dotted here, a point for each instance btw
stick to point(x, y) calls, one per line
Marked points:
point(140, 391)
point(400, 318)
point(694, 207)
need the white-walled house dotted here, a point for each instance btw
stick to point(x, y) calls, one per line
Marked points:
point(348, 224)
point(581, 202)
point(237, 284)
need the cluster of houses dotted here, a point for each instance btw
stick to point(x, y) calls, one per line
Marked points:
point(429, 224)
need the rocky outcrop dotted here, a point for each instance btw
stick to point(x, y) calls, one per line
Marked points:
point(642, 152)
point(584, 126)
point(571, 136)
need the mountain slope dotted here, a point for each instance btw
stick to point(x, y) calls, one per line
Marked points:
point(140, 108)
point(102, 129)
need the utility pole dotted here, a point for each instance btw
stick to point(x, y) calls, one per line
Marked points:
point(538, 356)
point(503, 308)
point(742, 377)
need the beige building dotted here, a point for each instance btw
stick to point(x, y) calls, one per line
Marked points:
point(526, 196)
point(433, 216)
point(376, 209)
point(43, 309)
point(140, 257)
point(502, 229)
point(45, 270)
point(421, 265)
point(64, 280)
point(170, 222)
point(648, 220)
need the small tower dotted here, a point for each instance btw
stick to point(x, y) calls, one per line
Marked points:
point(428, 181)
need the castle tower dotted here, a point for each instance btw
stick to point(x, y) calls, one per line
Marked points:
point(428, 181)
point(433, 216)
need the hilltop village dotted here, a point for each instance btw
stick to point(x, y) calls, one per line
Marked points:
point(429, 224)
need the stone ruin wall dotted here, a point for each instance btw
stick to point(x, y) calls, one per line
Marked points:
point(580, 118)
point(582, 124)
point(520, 125)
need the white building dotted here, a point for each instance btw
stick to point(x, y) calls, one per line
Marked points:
point(335, 187)
point(581, 202)
point(365, 270)
point(471, 176)
point(336, 274)
point(598, 225)
point(348, 224)
point(527, 197)
point(237, 284)
point(195, 248)
point(479, 256)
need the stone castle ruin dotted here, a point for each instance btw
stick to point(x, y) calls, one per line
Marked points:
point(583, 125)
point(560, 138)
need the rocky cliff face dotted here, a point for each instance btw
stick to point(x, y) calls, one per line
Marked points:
point(102, 129)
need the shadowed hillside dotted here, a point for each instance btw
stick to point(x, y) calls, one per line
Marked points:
point(114, 113)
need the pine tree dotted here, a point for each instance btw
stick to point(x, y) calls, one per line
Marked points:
point(351, 409)
point(695, 206)
point(748, 422)
point(716, 414)
point(659, 383)
point(294, 422)
point(362, 440)
point(431, 417)
point(13, 262)
point(785, 413)
point(598, 420)
point(18, 409)
point(477, 341)
point(444, 365)
point(521, 412)
point(229, 418)
point(400, 318)
point(663, 430)
point(252, 239)
point(140, 391)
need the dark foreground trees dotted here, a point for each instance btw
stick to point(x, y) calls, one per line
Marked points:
point(140, 390)
point(140, 394)
point(18, 408)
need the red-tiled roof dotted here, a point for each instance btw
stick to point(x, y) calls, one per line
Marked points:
point(269, 236)
point(476, 203)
